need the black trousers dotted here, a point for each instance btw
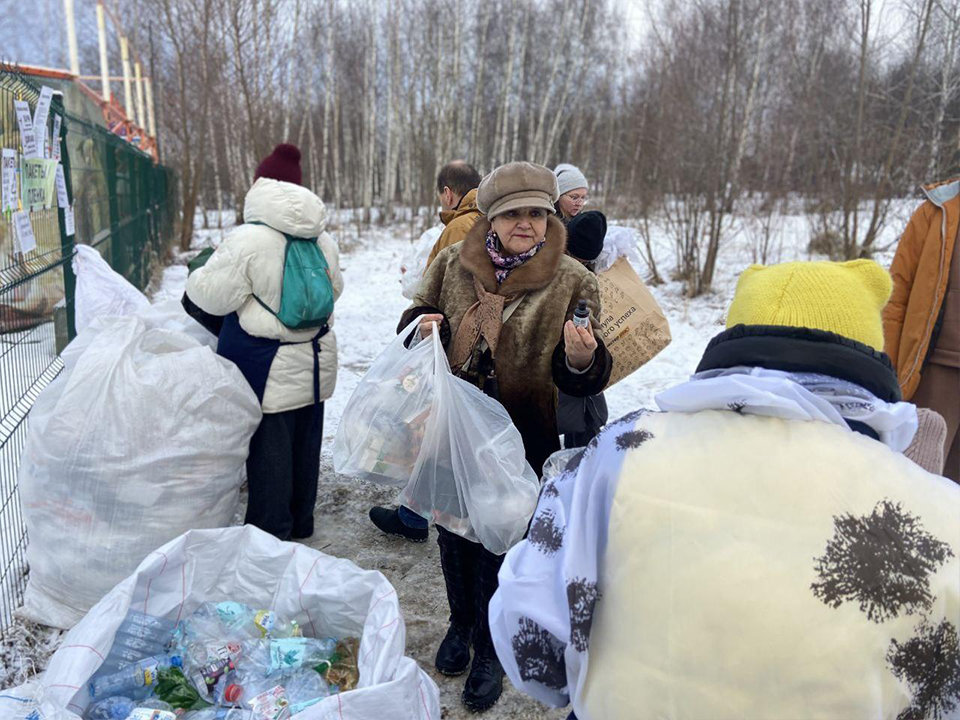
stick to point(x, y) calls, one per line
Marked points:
point(470, 573)
point(283, 470)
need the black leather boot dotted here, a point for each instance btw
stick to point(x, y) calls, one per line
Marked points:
point(458, 561)
point(453, 657)
point(485, 682)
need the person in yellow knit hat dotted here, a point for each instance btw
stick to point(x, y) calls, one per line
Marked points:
point(756, 545)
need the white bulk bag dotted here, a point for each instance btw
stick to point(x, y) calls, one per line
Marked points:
point(143, 436)
point(101, 291)
point(327, 596)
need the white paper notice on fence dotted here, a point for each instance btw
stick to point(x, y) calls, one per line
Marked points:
point(55, 138)
point(68, 220)
point(27, 139)
point(26, 241)
point(8, 186)
point(62, 199)
point(42, 112)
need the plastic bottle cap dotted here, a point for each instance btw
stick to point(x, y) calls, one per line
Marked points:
point(176, 661)
point(232, 693)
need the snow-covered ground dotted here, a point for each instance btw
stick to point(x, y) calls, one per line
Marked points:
point(365, 321)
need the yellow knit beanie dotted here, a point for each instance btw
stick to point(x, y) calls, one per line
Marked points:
point(843, 298)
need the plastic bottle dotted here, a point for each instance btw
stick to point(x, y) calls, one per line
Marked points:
point(111, 708)
point(273, 626)
point(581, 316)
point(305, 689)
point(155, 703)
point(209, 675)
point(138, 636)
point(142, 673)
point(291, 654)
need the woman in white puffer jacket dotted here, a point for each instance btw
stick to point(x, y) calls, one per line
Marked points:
point(292, 371)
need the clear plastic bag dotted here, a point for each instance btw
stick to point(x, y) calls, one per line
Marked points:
point(384, 422)
point(414, 263)
point(470, 474)
point(620, 242)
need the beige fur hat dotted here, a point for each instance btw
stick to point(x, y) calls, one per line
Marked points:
point(517, 185)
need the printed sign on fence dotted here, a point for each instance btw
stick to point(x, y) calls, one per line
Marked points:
point(55, 138)
point(68, 220)
point(62, 199)
point(26, 241)
point(8, 186)
point(42, 112)
point(27, 139)
point(37, 178)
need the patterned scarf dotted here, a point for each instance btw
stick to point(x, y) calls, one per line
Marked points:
point(483, 319)
point(505, 264)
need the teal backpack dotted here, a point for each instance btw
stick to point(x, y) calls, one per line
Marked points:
point(306, 295)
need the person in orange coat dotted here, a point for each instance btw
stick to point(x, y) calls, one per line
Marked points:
point(921, 322)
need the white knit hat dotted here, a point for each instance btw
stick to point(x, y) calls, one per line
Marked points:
point(569, 178)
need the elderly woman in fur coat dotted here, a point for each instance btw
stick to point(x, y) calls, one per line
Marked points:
point(503, 300)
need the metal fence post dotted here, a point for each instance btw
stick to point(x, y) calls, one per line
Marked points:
point(66, 241)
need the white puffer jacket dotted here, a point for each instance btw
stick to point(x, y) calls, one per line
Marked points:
point(250, 261)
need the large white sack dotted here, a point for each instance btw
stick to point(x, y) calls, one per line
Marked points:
point(143, 436)
point(415, 261)
point(327, 596)
point(100, 290)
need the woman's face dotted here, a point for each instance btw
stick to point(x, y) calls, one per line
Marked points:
point(519, 230)
point(571, 203)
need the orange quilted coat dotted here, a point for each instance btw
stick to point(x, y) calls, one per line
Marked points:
point(920, 273)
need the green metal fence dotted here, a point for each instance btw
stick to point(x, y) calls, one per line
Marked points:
point(123, 205)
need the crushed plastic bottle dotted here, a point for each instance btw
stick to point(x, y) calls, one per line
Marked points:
point(111, 708)
point(151, 714)
point(272, 625)
point(287, 654)
point(271, 704)
point(155, 703)
point(140, 674)
point(139, 636)
point(304, 689)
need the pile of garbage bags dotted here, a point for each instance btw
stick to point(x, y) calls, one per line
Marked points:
point(233, 623)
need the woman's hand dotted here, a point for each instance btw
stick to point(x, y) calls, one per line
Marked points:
point(580, 344)
point(426, 328)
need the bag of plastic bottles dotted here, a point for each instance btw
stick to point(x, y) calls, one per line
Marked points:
point(383, 425)
point(246, 568)
point(461, 455)
point(143, 436)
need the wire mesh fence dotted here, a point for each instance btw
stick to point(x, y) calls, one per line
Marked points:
point(123, 206)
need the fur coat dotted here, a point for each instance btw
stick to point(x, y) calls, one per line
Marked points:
point(530, 361)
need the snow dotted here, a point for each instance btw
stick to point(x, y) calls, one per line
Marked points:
point(365, 320)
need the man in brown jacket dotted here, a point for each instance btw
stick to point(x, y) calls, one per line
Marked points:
point(457, 191)
point(922, 320)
